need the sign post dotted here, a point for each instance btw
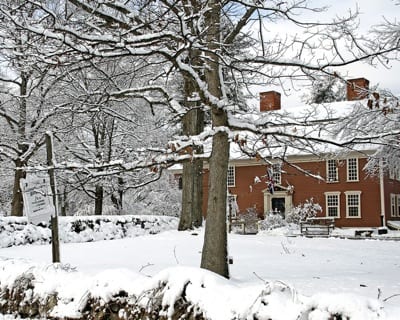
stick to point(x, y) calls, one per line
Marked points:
point(54, 217)
point(40, 198)
point(36, 193)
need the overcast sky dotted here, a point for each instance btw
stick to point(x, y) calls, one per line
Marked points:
point(372, 12)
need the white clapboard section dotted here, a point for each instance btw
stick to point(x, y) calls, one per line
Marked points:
point(38, 201)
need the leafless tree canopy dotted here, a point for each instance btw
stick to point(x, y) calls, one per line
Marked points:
point(166, 54)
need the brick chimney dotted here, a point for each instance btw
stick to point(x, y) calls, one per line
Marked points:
point(270, 100)
point(357, 89)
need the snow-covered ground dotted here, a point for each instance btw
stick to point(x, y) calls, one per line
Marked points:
point(310, 265)
point(341, 273)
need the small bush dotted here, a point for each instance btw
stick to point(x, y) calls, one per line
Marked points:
point(309, 209)
point(272, 221)
point(250, 218)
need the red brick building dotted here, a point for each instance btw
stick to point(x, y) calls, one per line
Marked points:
point(339, 185)
point(345, 193)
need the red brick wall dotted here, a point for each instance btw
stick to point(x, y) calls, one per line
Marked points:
point(250, 195)
point(307, 187)
point(390, 186)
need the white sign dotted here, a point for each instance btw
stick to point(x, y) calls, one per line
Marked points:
point(38, 200)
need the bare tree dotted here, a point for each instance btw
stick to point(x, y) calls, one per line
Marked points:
point(104, 129)
point(166, 34)
point(29, 103)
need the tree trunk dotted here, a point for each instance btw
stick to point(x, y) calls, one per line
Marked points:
point(64, 202)
point(192, 195)
point(192, 177)
point(121, 184)
point(99, 134)
point(117, 196)
point(185, 221)
point(197, 212)
point(98, 201)
point(215, 252)
point(17, 204)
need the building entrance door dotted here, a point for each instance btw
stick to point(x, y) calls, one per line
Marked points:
point(278, 206)
point(279, 202)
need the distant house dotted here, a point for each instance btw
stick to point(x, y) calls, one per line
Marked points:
point(344, 190)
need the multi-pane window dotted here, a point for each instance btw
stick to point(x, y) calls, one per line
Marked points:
point(395, 205)
point(391, 173)
point(231, 176)
point(232, 206)
point(332, 204)
point(394, 173)
point(398, 204)
point(352, 169)
point(332, 171)
point(353, 204)
point(276, 172)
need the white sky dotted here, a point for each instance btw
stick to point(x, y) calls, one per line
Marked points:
point(372, 12)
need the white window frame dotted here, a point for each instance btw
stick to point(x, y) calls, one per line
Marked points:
point(398, 205)
point(329, 170)
point(352, 170)
point(394, 209)
point(350, 194)
point(394, 173)
point(394, 205)
point(327, 206)
point(231, 178)
point(233, 198)
point(277, 173)
point(391, 173)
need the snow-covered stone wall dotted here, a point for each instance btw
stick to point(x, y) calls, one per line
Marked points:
point(33, 291)
point(17, 231)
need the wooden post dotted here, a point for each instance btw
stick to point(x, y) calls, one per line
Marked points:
point(55, 243)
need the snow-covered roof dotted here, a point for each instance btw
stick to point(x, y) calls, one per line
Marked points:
point(308, 130)
point(315, 129)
